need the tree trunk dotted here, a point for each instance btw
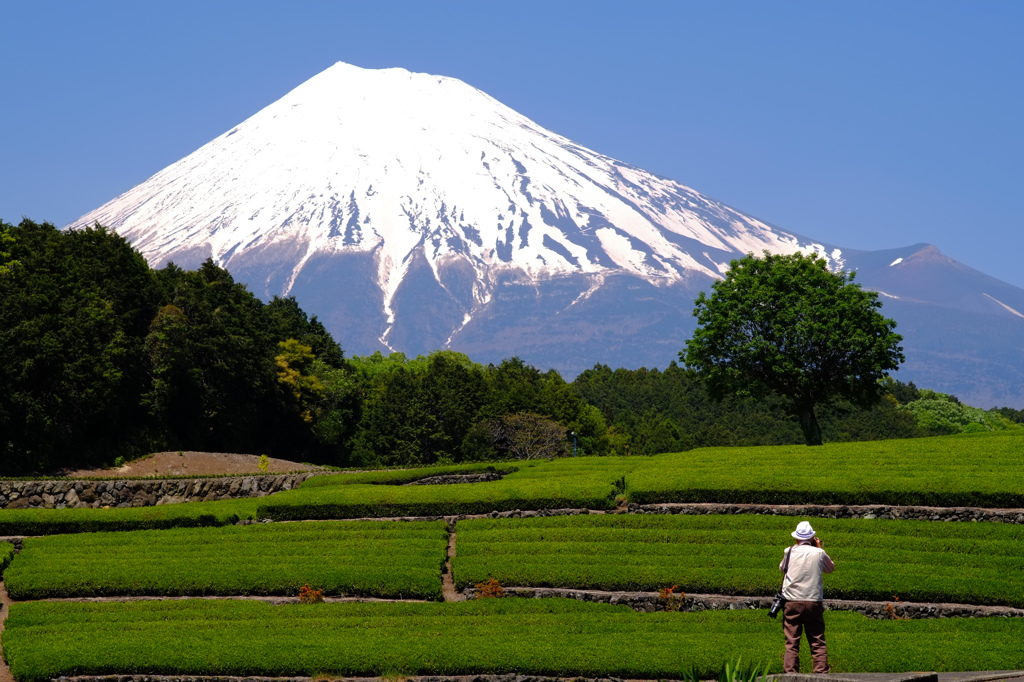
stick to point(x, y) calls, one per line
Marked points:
point(809, 424)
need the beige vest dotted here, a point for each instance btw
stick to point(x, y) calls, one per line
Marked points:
point(803, 580)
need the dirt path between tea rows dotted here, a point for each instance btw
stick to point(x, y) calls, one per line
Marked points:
point(447, 579)
point(639, 601)
point(269, 599)
point(5, 608)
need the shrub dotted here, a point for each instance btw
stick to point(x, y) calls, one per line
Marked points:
point(536, 637)
point(188, 515)
point(489, 589)
point(382, 559)
point(944, 414)
point(6, 555)
point(739, 554)
point(309, 595)
point(672, 597)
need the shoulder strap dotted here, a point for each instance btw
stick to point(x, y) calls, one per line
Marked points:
point(785, 565)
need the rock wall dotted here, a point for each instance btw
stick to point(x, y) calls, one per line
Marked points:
point(450, 479)
point(511, 677)
point(140, 493)
point(839, 511)
point(652, 601)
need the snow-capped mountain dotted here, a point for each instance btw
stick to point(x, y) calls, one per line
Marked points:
point(412, 212)
point(411, 167)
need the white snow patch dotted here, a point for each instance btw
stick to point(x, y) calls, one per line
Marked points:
point(896, 262)
point(595, 285)
point(721, 267)
point(465, 320)
point(617, 246)
point(1004, 305)
point(388, 161)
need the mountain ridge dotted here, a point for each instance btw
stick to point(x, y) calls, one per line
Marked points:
point(411, 212)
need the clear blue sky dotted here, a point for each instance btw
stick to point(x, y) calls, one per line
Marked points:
point(866, 124)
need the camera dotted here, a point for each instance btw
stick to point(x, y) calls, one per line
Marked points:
point(776, 605)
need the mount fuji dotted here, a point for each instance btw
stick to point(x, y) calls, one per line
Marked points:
point(412, 212)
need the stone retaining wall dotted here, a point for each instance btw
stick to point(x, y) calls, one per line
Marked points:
point(651, 601)
point(514, 677)
point(414, 678)
point(840, 511)
point(140, 493)
point(449, 479)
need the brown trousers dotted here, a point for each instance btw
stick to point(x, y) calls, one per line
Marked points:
point(798, 615)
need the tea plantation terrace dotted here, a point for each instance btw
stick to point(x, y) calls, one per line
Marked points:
point(201, 589)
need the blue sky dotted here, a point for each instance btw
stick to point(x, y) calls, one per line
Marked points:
point(869, 125)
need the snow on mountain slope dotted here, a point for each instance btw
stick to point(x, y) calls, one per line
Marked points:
point(401, 165)
point(413, 212)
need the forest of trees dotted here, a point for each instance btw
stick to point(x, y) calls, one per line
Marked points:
point(102, 357)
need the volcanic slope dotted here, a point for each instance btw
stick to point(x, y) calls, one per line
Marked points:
point(412, 212)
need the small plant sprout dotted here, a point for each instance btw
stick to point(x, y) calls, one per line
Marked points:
point(672, 597)
point(733, 672)
point(392, 676)
point(264, 463)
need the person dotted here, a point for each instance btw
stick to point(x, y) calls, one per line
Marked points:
point(803, 589)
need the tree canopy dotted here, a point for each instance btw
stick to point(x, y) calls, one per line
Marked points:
point(103, 357)
point(785, 324)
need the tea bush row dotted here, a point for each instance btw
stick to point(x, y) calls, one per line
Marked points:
point(185, 515)
point(915, 560)
point(6, 555)
point(967, 470)
point(564, 638)
point(979, 470)
point(403, 476)
point(379, 559)
point(583, 482)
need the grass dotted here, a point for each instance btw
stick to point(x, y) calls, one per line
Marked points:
point(186, 515)
point(6, 555)
point(539, 484)
point(983, 470)
point(876, 559)
point(980, 470)
point(403, 476)
point(379, 559)
point(565, 638)
point(193, 549)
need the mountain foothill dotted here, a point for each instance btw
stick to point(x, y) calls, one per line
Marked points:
point(103, 356)
point(453, 246)
point(411, 212)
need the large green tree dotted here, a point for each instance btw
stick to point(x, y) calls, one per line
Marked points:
point(785, 324)
point(74, 306)
point(101, 357)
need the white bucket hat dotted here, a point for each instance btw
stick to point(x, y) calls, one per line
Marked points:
point(803, 531)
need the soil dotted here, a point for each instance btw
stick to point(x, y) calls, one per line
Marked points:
point(447, 580)
point(5, 607)
point(187, 463)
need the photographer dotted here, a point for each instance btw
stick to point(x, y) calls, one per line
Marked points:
point(804, 564)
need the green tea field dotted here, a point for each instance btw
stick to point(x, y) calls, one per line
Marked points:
point(740, 555)
point(180, 589)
